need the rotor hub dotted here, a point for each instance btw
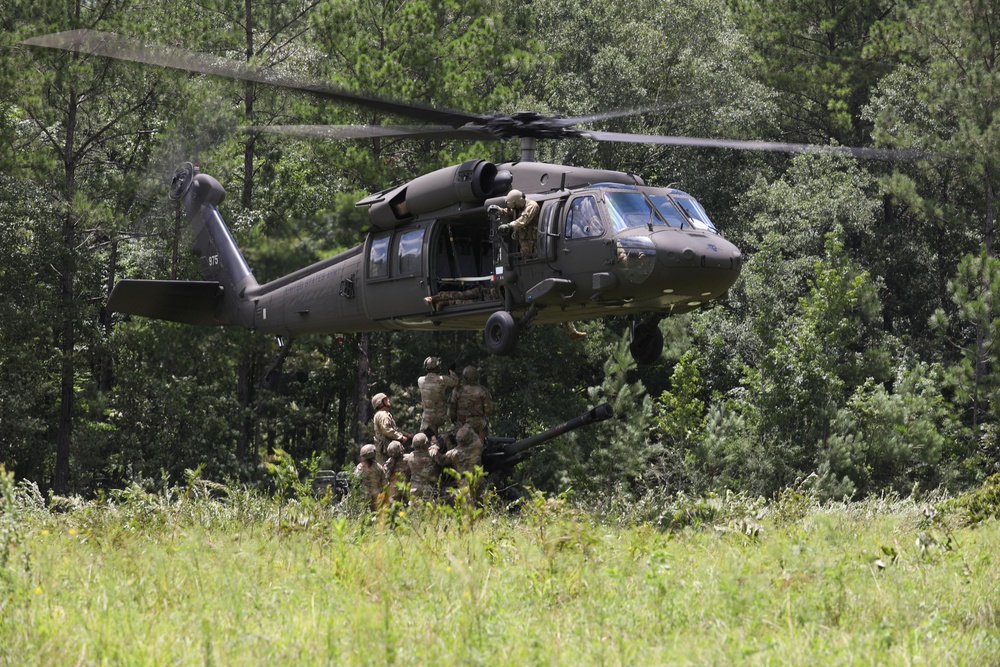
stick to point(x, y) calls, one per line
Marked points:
point(182, 179)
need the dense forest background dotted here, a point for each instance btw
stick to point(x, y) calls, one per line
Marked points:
point(857, 354)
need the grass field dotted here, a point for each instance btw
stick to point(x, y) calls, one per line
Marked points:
point(180, 578)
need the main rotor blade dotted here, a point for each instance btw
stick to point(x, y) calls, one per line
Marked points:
point(619, 113)
point(870, 153)
point(371, 131)
point(111, 45)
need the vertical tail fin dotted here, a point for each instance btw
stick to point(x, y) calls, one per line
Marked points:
point(221, 259)
point(225, 296)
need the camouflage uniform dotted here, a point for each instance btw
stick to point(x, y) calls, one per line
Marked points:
point(470, 403)
point(462, 297)
point(432, 394)
point(371, 474)
point(385, 428)
point(525, 225)
point(466, 456)
point(425, 468)
point(395, 471)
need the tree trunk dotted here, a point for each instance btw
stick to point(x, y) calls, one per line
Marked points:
point(67, 334)
point(363, 413)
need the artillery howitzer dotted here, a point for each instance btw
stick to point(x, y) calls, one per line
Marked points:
point(501, 455)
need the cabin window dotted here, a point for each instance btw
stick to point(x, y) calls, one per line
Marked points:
point(378, 258)
point(410, 245)
point(584, 219)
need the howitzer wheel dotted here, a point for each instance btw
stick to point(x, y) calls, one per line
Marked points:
point(500, 334)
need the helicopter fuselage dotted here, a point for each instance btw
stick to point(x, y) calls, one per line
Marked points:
point(605, 244)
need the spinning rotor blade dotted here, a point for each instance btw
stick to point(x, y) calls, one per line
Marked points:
point(617, 113)
point(737, 144)
point(370, 131)
point(442, 123)
point(111, 45)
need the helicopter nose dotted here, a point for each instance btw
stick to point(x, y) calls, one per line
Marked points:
point(702, 266)
point(689, 266)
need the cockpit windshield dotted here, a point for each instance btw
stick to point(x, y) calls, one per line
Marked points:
point(695, 212)
point(668, 210)
point(653, 207)
point(630, 209)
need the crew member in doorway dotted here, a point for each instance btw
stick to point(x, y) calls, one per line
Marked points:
point(525, 225)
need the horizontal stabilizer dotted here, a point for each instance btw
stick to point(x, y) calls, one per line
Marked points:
point(184, 301)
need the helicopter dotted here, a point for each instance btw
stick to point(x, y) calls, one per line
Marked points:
point(439, 254)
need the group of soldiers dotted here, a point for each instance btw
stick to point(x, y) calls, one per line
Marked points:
point(433, 449)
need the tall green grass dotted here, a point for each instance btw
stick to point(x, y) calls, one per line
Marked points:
point(230, 577)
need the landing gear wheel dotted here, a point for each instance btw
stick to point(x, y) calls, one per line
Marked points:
point(647, 343)
point(500, 334)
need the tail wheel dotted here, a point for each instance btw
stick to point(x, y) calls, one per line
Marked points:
point(647, 343)
point(500, 334)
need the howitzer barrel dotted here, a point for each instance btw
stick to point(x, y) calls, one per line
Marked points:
point(509, 453)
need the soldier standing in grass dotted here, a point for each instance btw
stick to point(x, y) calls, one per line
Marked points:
point(433, 386)
point(470, 403)
point(371, 474)
point(465, 456)
point(395, 471)
point(425, 468)
point(385, 427)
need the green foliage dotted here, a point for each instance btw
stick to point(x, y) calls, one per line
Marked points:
point(680, 416)
point(812, 364)
point(816, 55)
point(440, 52)
point(548, 585)
point(820, 366)
point(618, 449)
point(288, 480)
point(9, 524)
point(977, 505)
point(975, 331)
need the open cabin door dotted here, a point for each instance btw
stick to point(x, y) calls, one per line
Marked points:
point(461, 256)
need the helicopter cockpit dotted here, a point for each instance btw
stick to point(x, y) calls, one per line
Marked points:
point(631, 206)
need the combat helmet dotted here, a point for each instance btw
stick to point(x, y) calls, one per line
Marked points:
point(515, 199)
point(420, 441)
point(377, 400)
point(395, 449)
point(464, 435)
point(368, 452)
point(432, 364)
point(470, 374)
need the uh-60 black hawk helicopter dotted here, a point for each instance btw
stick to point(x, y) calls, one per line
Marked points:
point(605, 243)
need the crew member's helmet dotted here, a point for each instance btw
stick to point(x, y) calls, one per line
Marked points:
point(432, 364)
point(420, 441)
point(464, 435)
point(368, 452)
point(515, 199)
point(378, 400)
point(470, 374)
point(395, 449)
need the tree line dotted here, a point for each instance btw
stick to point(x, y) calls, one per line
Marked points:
point(856, 353)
